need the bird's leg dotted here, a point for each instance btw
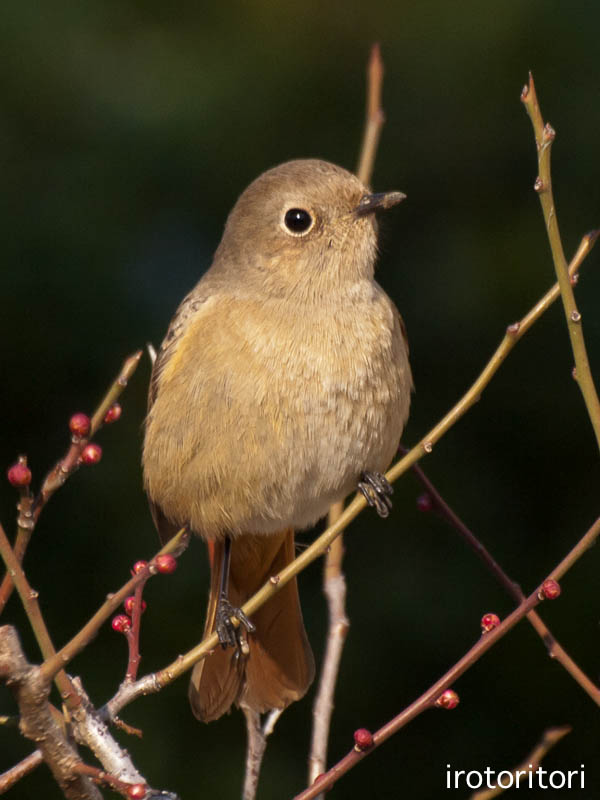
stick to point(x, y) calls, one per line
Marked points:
point(229, 635)
point(376, 491)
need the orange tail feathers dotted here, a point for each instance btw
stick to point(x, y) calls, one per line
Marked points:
point(279, 666)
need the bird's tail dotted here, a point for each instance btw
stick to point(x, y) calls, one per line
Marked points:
point(279, 666)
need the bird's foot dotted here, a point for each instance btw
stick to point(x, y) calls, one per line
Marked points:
point(231, 635)
point(376, 491)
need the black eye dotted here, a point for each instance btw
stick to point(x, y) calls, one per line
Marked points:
point(297, 220)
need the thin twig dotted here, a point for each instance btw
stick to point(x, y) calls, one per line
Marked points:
point(29, 515)
point(334, 581)
point(513, 334)
point(555, 650)
point(544, 136)
point(67, 465)
point(29, 599)
point(334, 587)
point(257, 743)
point(104, 778)
point(551, 737)
point(13, 775)
point(374, 118)
point(428, 698)
point(113, 601)
point(133, 635)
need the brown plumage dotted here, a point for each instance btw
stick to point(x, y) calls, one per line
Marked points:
point(283, 376)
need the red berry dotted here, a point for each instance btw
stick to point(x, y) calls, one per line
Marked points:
point(130, 605)
point(79, 424)
point(19, 474)
point(448, 700)
point(489, 622)
point(363, 739)
point(550, 589)
point(92, 453)
point(137, 791)
point(121, 623)
point(424, 502)
point(138, 567)
point(166, 563)
point(113, 413)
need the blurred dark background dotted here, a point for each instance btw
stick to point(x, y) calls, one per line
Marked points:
point(127, 131)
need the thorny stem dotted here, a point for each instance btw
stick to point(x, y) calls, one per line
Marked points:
point(428, 698)
point(544, 136)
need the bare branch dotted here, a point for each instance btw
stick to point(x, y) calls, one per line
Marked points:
point(531, 762)
point(544, 136)
point(375, 116)
point(13, 775)
point(428, 699)
point(334, 587)
point(258, 733)
point(30, 510)
point(37, 721)
point(555, 650)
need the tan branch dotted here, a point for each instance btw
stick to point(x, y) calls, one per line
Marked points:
point(374, 118)
point(50, 667)
point(551, 737)
point(13, 775)
point(544, 136)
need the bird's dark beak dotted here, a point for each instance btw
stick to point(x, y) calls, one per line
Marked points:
point(370, 203)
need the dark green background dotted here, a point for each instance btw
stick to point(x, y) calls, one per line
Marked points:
point(127, 130)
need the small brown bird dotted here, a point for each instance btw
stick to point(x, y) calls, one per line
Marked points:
point(283, 383)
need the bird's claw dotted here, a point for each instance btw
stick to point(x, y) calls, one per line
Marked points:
point(376, 490)
point(230, 635)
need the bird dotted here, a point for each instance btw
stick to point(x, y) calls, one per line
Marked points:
point(282, 385)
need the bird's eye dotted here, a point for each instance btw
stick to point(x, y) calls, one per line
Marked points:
point(297, 221)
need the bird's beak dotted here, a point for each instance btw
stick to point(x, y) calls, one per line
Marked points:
point(370, 203)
